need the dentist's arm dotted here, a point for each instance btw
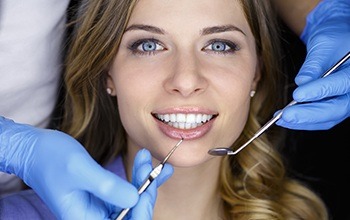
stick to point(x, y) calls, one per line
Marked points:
point(324, 27)
point(61, 172)
point(68, 180)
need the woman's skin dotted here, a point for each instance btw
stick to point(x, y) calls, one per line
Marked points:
point(185, 57)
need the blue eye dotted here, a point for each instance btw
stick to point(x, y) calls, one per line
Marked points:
point(221, 46)
point(146, 46)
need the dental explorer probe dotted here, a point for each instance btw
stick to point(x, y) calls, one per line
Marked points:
point(153, 174)
point(223, 151)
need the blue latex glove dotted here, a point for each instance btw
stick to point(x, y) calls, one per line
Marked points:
point(327, 38)
point(142, 167)
point(64, 175)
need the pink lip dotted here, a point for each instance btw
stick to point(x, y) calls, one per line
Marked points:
point(188, 134)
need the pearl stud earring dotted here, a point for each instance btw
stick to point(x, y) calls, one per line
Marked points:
point(109, 91)
point(252, 93)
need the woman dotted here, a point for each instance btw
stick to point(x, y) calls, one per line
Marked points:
point(143, 74)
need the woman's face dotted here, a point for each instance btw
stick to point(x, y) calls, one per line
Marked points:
point(184, 69)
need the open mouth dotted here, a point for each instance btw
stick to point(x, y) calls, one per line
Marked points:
point(184, 121)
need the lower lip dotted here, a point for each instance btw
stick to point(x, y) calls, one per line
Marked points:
point(187, 134)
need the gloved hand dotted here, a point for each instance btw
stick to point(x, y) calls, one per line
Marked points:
point(64, 175)
point(327, 38)
point(141, 169)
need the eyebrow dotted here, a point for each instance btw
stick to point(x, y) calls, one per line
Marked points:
point(149, 28)
point(220, 29)
point(205, 31)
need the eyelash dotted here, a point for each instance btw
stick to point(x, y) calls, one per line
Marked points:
point(134, 47)
point(229, 47)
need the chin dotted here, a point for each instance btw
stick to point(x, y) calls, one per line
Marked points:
point(187, 159)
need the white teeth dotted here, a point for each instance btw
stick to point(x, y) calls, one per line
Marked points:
point(191, 118)
point(198, 118)
point(184, 121)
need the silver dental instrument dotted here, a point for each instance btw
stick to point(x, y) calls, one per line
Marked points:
point(223, 151)
point(153, 174)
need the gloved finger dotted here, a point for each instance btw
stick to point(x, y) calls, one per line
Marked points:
point(105, 184)
point(335, 84)
point(82, 205)
point(141, 175)
point(14, 135)
point(320, 115)
point(166, 173)
point(79, 171)
point(323, 51)
point(7, 124)
point(142, 167)
point(144, 208)
point(315, 64)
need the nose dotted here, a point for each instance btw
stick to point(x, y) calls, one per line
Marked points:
point(186, 77)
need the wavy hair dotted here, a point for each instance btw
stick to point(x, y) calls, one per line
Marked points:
point(254, 183)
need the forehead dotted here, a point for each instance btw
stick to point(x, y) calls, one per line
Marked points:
point(189, 13)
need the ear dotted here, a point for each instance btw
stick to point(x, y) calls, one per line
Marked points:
point(257, 75)
point(110, 85)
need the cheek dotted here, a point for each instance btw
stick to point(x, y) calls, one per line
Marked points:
point(233, 121)
point(131, 95)
point(134, 94)
point(234, 103)
point(131, 79)
point(130, 106)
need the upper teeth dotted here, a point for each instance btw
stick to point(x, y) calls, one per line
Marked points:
point(184, 121)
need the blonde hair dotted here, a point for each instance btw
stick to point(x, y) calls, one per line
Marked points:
point(253, 184)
